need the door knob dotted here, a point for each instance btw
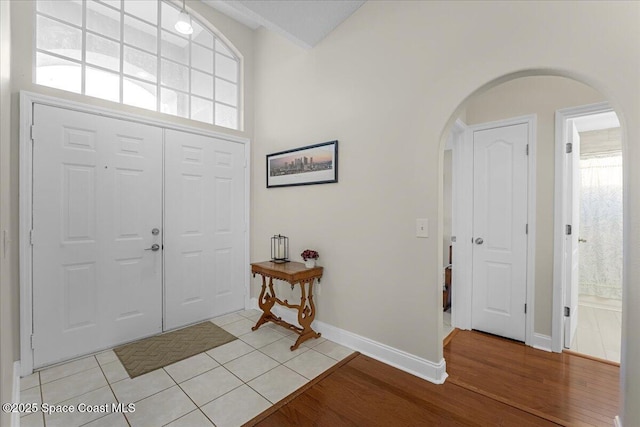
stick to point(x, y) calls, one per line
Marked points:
point(582, 240)
point(154, 247)
point(479, 241)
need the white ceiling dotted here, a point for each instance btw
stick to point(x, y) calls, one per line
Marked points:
point(304, 22)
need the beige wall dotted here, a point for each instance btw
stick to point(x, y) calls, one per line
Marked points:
point(541, 96)
point(8, 323)
point(387, 83)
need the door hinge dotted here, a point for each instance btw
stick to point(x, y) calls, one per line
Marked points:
point(5, 243)
point(567, 312)
point(569, 147)
point(567, 229)
point(31, 237)
point(527, 149)
point(525, 309)
point(526, 229)
point(32, 132)
point(33, 347)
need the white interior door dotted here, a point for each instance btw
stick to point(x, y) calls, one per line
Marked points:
point(204, 227)
point(97, 194)
point(571, 240)
point(499, 231)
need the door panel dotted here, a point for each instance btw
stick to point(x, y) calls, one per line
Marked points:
point(571, 241)
point(500, 241)
point(97, 193)
point(204, 228)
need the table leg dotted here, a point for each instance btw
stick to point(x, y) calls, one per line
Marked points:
point(265, 302)
point(306, 314)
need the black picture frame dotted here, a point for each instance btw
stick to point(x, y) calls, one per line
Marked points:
point(297, 167)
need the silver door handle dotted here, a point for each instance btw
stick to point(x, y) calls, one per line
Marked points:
point(154, 247)
point(479, 241)
point(582, 240)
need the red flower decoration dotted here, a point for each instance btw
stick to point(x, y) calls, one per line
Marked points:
point(309, 254)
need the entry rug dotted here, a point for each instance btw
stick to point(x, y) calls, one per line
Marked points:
point(161, 350)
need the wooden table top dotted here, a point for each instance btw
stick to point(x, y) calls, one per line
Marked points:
point(292, 272)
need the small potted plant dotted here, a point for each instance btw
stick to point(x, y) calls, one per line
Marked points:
point(309, 256)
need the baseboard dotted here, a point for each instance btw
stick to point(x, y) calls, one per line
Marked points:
point(15, 393)
point(542, 342)
point(617, 422)
point(422, 368)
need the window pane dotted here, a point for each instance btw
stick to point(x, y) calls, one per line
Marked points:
point(201, 110)
point(103, 20)
point(58, 73)
point(226, 92)
point(202, 58)
point(201, 84)
point(170, 16)
point(140, 34)
point(175, 75)
point(112, 3)
point(175, 48)
point(220, 47)
point(103, 52)
point(140, 64)
point(59, 38)
point(143, 9)
point(226, 68)
point(68, 11)
point(176, 103)
point(139, 94)
point(201, 35)
point(102, 84)
point(226, 116)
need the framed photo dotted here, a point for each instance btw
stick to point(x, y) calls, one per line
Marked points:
point(314, 164)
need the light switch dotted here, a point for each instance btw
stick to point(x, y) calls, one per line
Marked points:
point(422, 227)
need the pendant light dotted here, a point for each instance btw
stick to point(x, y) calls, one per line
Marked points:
point(183, 25)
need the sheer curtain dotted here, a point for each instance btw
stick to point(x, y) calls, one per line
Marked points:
point(601, 225)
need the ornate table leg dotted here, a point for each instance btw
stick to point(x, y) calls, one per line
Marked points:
point(265, 302)
point(306, 314)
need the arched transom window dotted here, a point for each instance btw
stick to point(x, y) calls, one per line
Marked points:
point(129, 51)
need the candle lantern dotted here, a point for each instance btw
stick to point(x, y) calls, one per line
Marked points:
point(279, 248)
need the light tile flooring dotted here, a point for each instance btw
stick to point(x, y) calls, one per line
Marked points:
point(599, 328)
point(225, 386)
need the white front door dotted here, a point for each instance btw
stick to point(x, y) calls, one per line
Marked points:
point(97, 195)
point(499, 230)
point(572, 166)
point(205, 226)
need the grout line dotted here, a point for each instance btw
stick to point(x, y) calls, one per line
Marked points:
point(112, 391)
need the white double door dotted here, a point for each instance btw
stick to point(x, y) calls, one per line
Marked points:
point(101, 201)
point(500, 170)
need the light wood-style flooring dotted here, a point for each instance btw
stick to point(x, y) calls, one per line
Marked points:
point(492, 382)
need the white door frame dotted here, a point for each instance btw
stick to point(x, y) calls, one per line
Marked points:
point(27, 99)
point(560, 216)
point(462, 221)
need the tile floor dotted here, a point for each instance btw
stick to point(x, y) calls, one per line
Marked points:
point(225, 386)
point(599, 328)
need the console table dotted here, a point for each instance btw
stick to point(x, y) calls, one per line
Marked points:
point(293, 273)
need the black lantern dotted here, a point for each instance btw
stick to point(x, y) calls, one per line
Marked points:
point(279, 249)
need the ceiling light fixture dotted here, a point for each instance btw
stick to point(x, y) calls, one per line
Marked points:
point(183, 25)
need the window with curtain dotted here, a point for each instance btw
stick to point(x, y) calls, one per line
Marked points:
point(601, 225)
point(129, 52)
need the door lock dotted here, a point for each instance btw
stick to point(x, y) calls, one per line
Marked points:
point(479, 241)
point(155, 247)
point(155, 231)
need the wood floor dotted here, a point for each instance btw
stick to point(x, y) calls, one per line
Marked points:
point(492, 382)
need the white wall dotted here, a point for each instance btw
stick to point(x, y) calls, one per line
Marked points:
point(388, 84)
point(8, 323)
point(22, 32)
point(447, 194)
point(541, 96)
